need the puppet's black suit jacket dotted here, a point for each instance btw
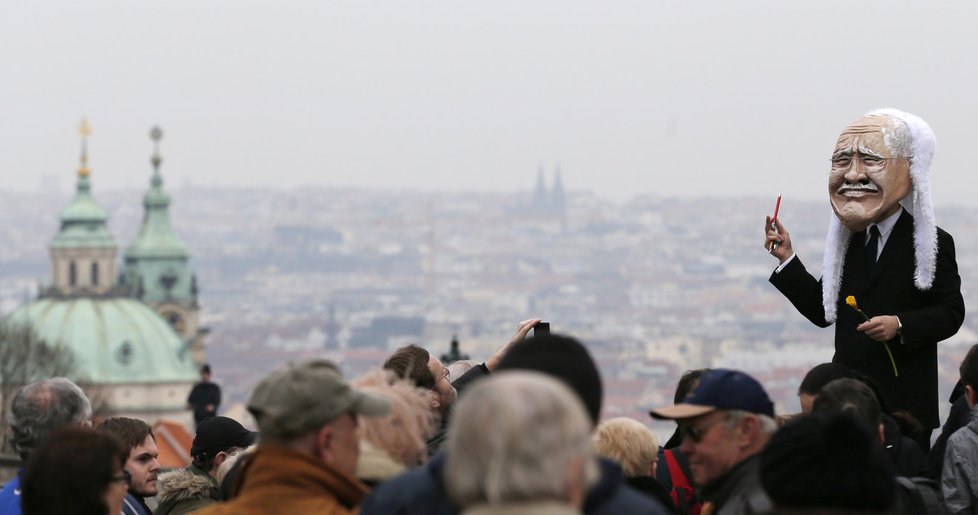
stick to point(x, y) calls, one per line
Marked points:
point(927, 316)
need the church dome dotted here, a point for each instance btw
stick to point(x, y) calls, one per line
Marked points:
point(83, 221)
point(115, 340)
point(84, 208)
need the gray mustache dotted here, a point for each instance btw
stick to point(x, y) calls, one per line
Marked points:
point(870, 187)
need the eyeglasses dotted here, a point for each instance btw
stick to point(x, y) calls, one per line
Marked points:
point(695, 433)
point(868, 163)
point(123, 477)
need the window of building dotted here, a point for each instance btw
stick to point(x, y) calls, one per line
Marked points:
point(72, 274)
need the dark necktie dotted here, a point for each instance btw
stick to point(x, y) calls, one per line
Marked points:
point(872, 249)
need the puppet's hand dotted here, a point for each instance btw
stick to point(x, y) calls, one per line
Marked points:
point(781, 236)
point(882, 328)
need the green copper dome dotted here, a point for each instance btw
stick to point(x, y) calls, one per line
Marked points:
point(115, 340)
point(83, 221)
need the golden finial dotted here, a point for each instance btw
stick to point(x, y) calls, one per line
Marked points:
point(84, 130)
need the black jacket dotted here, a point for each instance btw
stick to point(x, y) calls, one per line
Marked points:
point(422, 492)
point(927, 316)
point(649, 486)
point(202, 395)
point(956, 419)
point(908, 458)
point(438, 438)
point(739, 490)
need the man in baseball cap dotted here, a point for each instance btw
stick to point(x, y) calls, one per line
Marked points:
point(187, 489)
point(726, 420)
point(306, 461)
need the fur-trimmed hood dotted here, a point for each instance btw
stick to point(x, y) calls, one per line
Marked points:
point(185, 484)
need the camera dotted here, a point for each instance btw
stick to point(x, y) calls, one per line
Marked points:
point(541, 329)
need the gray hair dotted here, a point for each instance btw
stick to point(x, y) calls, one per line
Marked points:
point(515, 437)
point(42, 407)
point(899, 140)
point(768, 425)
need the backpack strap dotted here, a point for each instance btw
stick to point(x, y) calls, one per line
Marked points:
point(683, 494)
point(676, 472)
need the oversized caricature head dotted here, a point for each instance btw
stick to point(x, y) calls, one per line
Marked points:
point(870, 170)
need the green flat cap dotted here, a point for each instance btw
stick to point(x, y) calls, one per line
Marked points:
point(303, 396)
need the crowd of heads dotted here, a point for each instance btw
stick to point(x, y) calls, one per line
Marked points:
point(530, 432)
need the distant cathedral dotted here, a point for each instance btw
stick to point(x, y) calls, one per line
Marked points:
point(136, 334)
point(548, 204)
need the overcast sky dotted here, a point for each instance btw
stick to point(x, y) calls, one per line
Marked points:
point(630, 97)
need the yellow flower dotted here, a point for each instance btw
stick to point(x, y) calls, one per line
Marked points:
point(851, 302)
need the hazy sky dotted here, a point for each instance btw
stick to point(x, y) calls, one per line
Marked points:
point(630, 97)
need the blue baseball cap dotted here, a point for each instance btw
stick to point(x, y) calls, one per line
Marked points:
point(720, 389)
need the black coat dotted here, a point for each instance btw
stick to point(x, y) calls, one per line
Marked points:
point(927, 316)
point(649, 486)
point(200, 396)
point(958, 417)
point(908, 458)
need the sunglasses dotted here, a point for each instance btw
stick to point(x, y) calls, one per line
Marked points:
point(695, 433)
point(124, 477)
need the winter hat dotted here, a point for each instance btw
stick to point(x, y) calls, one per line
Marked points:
point(563, 358)
point(218, 434)
point(827, 461)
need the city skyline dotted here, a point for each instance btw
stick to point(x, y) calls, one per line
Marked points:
point(703, 100)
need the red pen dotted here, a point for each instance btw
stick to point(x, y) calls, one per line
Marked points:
point(774, 223)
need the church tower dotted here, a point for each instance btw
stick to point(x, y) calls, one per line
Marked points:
point(558, 202)
point(157, 270)
point(541, 201)
point(83, 252)
point(129, 357)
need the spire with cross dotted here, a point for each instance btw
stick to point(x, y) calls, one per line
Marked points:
point(156, 134)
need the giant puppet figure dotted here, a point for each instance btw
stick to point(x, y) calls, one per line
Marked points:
point(885, 250)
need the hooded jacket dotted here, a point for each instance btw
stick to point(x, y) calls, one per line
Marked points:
point(182, 491)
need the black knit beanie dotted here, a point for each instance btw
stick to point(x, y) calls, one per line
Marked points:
point(563, 358)
point(827, 461)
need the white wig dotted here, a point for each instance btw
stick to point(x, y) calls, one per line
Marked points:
point(918, 203)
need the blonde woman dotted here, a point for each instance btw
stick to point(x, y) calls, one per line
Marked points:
point(390, 445)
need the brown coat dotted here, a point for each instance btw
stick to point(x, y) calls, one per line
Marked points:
point(280, 480)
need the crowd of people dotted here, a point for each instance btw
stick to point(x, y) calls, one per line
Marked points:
point(520, 433)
